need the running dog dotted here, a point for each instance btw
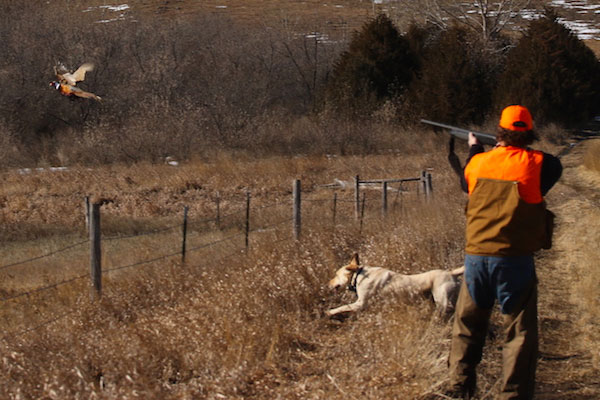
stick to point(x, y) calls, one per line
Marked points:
point(368, 281)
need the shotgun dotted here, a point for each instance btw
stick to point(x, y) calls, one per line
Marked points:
point(460, 133)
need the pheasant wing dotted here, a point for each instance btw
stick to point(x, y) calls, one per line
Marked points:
point(78, 75)
point(59, 71)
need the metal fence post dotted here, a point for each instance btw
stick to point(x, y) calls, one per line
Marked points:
point(247, 230)
point(333, 211)
point(218, 207)
point(357, 197)
point(95, 252)
point(297, 210)
point(183, 243)
point(384, 188)
point(362, 212)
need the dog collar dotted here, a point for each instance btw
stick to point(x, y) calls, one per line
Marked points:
point(354, 279)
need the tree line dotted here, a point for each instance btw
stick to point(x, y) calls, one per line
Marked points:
point(452, 75)
point(184, 87)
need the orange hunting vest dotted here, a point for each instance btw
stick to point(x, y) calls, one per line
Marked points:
point(506, 214)
point(509, 163)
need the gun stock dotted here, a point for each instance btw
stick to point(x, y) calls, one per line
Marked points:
point(460, 133)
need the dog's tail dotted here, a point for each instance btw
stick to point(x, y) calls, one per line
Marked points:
point(458, 271)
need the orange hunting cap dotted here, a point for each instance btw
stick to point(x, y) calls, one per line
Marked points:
point(516, 118)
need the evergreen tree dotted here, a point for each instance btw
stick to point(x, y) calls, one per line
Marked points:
point(553, 73)
point(454, 84)
point(377, 66)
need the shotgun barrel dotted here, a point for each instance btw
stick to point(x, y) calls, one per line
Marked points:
point(460, 133)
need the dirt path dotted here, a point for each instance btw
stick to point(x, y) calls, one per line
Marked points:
point(566, 367)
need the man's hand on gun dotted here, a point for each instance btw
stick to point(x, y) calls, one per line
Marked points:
point(473, 139)
point(483, 138)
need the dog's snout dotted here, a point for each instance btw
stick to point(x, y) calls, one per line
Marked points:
point(333, 284)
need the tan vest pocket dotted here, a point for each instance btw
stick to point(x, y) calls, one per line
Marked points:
point(500, 223)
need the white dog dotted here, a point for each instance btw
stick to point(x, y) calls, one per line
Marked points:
point(368, 281)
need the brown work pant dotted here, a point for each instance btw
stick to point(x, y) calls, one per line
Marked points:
point(520, 349)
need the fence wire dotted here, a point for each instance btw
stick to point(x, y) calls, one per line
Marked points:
point(224, 216)
point(205, 245)
point(273, 225)
point(218, 218)
point(43, 255)
point(42, 289)
point(38, 326)
point(148, 233)
point(137, 264)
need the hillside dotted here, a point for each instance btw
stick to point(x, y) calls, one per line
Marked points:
point(341, 16)
point(208, 289)
point(569, 363)
point(229, 325)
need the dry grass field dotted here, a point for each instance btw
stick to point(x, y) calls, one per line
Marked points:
point(239, 324)
point(336, 20)
point(307, 14)
point(241, 320)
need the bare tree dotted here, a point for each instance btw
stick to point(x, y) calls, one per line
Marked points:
point(488, 18)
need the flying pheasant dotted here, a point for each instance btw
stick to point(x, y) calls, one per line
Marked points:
point(67, 81)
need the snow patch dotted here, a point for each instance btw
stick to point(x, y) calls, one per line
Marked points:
point(27, 171)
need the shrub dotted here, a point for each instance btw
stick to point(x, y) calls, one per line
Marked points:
point(171, 86)
point(377, 65)
point(553, 73)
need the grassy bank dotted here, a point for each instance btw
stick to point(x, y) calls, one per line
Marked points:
point(235, 324)
point(227, 323)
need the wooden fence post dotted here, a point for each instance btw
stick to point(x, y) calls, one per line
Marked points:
point(357, 197)
point(95, 252)
point(297, 210)
point(247, 230)
point(398, 196)
point(384, 189)
point(426, 183)
point(86, 204)
point(183, 243)
point(429, 185)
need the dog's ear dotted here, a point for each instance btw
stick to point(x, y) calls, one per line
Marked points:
point(353, 266)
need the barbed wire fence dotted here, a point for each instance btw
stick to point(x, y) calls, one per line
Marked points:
point(239, 223)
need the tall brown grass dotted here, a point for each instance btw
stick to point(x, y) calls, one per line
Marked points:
point(592, 156)
point(588, 270)
point(226, 323)
point(230, 323)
